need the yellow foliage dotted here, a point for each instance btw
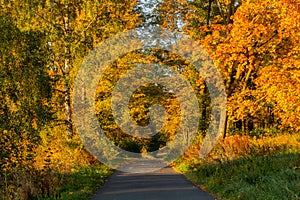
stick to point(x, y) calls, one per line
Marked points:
point(239, 146)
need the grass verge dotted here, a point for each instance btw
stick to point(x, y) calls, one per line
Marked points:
point(81, 183)
point(257, 177)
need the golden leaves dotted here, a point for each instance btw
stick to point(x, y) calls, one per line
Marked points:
point(258, 55)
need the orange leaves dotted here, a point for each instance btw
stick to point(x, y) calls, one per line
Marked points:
point(200, 82)
point(282, 86)
point(259, 53)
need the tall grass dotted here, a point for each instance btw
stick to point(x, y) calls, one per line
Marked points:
point(244, 167)
point(80, 184)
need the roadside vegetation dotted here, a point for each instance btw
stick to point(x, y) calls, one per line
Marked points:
point(248, 167)
point(80, 184)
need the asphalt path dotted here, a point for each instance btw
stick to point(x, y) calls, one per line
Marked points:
point(163, 184)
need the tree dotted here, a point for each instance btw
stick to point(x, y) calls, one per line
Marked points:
point(25, 95)
point(43, 45)
point(261, 36)
point(73, 29)
point(250, 42)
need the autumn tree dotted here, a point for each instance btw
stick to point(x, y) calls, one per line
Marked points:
point(44, 44)
point(73, 29)
point(25, 102)
point(260, 36)
point(246, 39)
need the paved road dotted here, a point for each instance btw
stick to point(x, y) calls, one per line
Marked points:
point(164, 184)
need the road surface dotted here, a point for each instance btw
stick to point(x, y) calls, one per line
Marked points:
point(164, 184)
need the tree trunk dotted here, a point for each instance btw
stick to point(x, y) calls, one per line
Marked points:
point(230, 12)
point(67, 89)
point(68, 111)
point(225, 126)
point(209, 11)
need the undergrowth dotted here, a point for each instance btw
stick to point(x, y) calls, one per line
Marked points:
point(243, 167)
point(81, 183)
point(59, 168)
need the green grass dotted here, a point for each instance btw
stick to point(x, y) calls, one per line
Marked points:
point(257, 177)
point(82, 183)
